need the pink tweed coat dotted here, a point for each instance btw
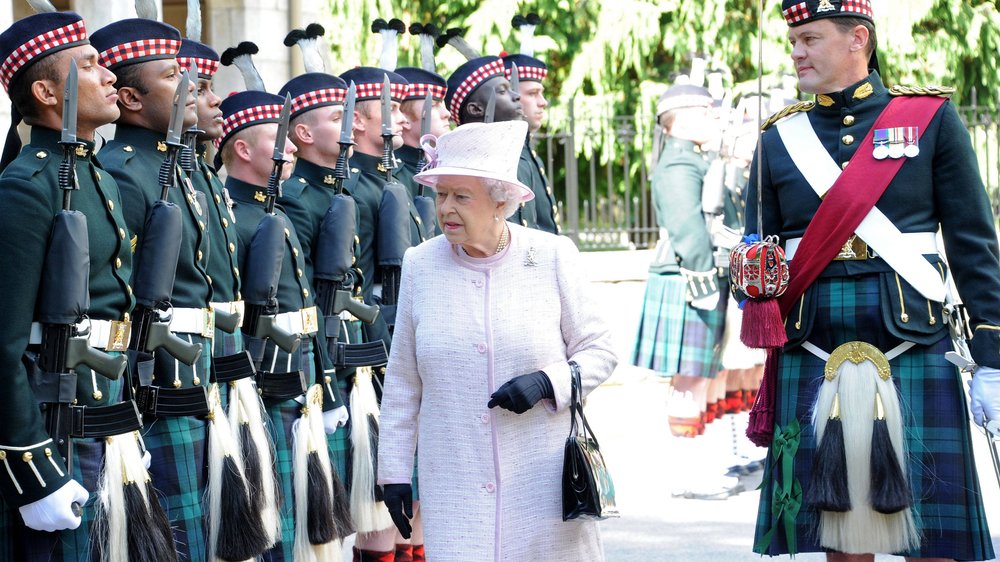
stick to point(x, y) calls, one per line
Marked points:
point(490, 480)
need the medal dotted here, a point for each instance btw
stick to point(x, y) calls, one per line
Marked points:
point(896, 142)
point(881, 140)
point(912, 148)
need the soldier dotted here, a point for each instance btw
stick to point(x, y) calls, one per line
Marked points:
point(246, 147)
point(40, 496)
point(531, 73)
point(684, 309)
point(143, 55)
point(857, 184)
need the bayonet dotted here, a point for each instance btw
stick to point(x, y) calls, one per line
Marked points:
point(388, 160)
point(167, 175)
point(68, 140)
point(491, 107)
point(190, 138)
point(346, 141)
point(515, 79)
point(278, 155)
point(425, 129)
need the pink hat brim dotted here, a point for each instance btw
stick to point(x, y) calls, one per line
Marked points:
point(431, 177)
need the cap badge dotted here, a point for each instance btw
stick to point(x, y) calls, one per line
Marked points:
point(825, 6)
point(328, 179)
point(259, 196)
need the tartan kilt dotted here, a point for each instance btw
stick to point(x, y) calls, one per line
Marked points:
point(674, 337)
point(227, 344)
point(947, 502)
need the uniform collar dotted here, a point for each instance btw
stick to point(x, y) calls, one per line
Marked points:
point(409, 154)
point(868, 89)
point(681, 144)
point(367, 162)
point(245, 192)
point(314, 173)
point(141, 138)
point(42, 137)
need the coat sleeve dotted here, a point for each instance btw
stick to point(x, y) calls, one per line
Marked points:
point(680, 186)
point(403, 390)
point(584, 329)
point(969, 231)
point(26, 215)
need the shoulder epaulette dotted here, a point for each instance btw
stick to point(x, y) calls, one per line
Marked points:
point(293, 187)
point(788, 110)
point(942, 91)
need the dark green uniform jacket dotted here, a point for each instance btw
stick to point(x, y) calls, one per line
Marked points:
point(29, 200)
point(409, 158)
point(222, 237)
point(941, 187)
point(294, 290)
point(541, 212)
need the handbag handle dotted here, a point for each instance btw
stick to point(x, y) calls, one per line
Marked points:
point(576, 405)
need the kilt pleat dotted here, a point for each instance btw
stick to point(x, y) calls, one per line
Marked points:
point(947, 501)
point(674, 337)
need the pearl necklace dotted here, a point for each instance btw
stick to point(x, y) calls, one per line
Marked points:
point(504, 239)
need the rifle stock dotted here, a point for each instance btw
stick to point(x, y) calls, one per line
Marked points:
point(228, 322)
point(342, 300)
point(79, 352)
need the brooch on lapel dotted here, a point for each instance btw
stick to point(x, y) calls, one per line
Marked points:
point(530, 260)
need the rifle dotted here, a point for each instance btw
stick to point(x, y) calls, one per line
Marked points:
point(334, 276)
point(156, 266)
point(423, 203)
point(394, 216)
point(265, 255)
point(65, 300)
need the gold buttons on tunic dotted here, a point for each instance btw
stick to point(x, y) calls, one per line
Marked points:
point(225, 223)
point(232, 248)
point(298, 272)
point(287, 233)
point(305, 293)
point(295, 252)
point(201, 225)
point(236, 271)
point(121, 233)
point(41, 154)
point(111, 205)
point(118, 263)
point(843, 166)
point(848, 140)
point(848, 120)
point(200, 255)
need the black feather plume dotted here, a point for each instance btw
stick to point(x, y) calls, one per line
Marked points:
point(828, 488)
point(293, 37)
point(322, 527)
point(890, 491)
point(241, 530)
point(314, 30)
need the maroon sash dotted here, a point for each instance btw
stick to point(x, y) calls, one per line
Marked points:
point(851, 197)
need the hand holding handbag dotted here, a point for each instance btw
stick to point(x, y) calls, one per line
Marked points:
point(587, 489)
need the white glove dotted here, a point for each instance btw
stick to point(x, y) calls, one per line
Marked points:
point(334, 419)
point(710, 302)
point(54, 512)
point(984, 394)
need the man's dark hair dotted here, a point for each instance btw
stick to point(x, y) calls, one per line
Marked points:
point(20, 89)
point(130, 76)
point(847, 24)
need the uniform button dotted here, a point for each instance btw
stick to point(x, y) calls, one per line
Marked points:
point(118, 263)
point(232, 248)
point(302, 180)
point(129, 287)
point(200, 255)
point(236, 271)
point(298, 272)
point(189, 199)
point(848, 140)
point(225, 222)
point(305, 293)
point(356, 239)
point(843, 166)
point(481, 347)
point(416, 220)
point(41, 154)
point(209, 277)
point(218, 199)
point(848, 120)
point(354, 260)
point(98, 174)
point(491, 487)
point(121, 233)
point(524, 222)
point(548, 190)
point(295, 252)
point(127, 148)
point(201, 225)
point(484, 418)
point(111, 205)
point(287, 233)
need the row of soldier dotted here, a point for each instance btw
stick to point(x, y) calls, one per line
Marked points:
point(210, 390)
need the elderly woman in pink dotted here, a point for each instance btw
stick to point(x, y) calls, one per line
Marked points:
point(478, 382)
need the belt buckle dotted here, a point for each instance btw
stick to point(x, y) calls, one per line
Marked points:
point(208, 326)
point(310, 324)
point(118, 337)
point(855, 249)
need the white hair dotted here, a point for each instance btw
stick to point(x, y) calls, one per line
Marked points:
point(503, 192)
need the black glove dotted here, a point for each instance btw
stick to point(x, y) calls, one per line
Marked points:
point(399, 501)
point(519, 394)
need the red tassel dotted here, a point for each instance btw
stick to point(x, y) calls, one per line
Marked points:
point(760, 429)
point(762, 325)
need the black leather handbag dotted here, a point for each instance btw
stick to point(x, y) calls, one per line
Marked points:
point(587, 489)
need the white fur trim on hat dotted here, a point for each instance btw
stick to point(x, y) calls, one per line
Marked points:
point(476, 150)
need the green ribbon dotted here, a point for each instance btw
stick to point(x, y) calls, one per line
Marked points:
point(786, 499)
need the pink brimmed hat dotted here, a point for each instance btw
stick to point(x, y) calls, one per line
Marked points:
point(476, 150)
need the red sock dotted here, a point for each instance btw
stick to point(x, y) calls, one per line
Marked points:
point(373, 555)
point(404, 553)
point(418, 553)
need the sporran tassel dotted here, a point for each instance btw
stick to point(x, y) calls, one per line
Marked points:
point(828, 489)
point(316, 538)
point(249, 420)
point(890, 491)
point(370, 514)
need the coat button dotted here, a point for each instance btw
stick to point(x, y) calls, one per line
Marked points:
point(843, 165)
point(225, 223)
point(848, 120)
point(478, 282)
point(481, 347)
point(485, 418)
point(848, 140)
point(111, 205)
point(305, 293)
point(121, 233)
point(491, 487)
point(232, 248)
point(118, 263)
point(295, 252)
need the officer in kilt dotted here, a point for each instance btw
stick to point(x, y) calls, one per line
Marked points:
point(143, 55)
point(55, 498)
point(541, 212)
point(246, 147)
point(856, 185)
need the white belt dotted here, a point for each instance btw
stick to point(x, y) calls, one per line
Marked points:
point(109, 335)
point(199, 321)
point(890, 355)
point(234, 307)
point(298, 322)
point(921, 242)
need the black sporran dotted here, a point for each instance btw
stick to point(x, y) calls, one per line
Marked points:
point(587, 489)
